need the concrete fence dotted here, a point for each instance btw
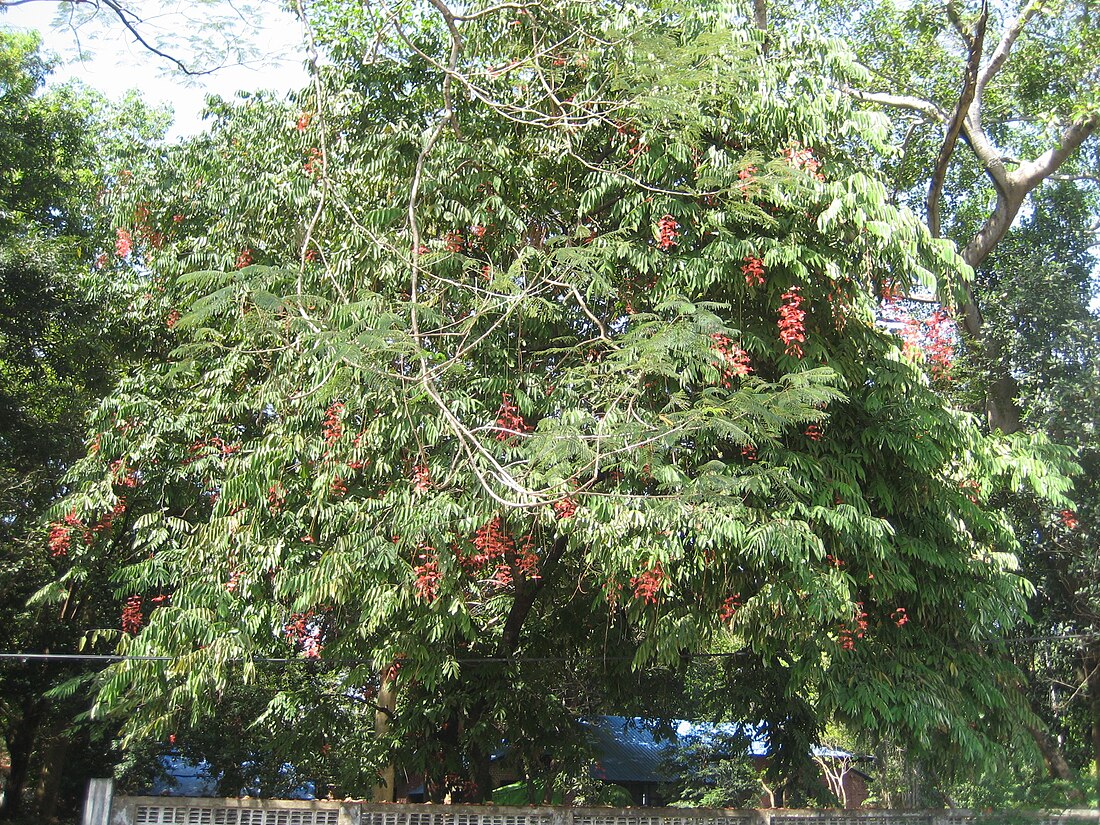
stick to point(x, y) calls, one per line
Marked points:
point(102, 807)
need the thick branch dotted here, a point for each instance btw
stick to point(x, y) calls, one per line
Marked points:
point(526, 596)
point(1000, 54)
point(1014, 187)
point(975, 44)
point(916, 104)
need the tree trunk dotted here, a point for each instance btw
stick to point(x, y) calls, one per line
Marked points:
point(386, 706)
point(54, 757)
point(20, 744)
point(1056, 763)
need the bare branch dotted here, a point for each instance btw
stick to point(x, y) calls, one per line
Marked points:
point(1000, 54)
point(911, 102)
point(975, 44)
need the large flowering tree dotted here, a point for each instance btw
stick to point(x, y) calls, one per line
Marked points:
point(534, 347)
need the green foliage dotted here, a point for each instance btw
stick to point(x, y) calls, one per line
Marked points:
point(713, 769)
point(457, 401)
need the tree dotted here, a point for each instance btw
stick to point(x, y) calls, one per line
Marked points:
point(535, 349)
point(978, 75)
point(58, 340)
point(971, 73)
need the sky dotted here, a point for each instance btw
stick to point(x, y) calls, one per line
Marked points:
point(115, 63)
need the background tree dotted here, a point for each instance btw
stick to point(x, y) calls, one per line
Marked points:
point(61, 330)
point(988, 138)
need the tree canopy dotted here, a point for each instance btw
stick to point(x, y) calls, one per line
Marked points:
point(531, 352)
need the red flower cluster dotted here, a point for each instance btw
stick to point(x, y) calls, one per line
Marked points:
point(339, 486)
point(132, 618)
point(303, 121)
point(729, 607)
point(647, 584)
point(244, 258)
point(971, 489)
point(900, 617)
point(509, 420)
point(1069, 519)
point(61, 535)
point(109, 517)
point(276, 497)
point(814, 432)
point(333, 426)
point(426, 584)
point(733, 361)
point(124, 243)
point(453, 242)
point(422, 479)
point(304, 632)
point(172, 319)
point(234, 581)
point(753, 271)
point(122, 478)
point(748, 452)
point(934, 338)
point(803, 158)
point(792, 330)
point(315, 163)
point(851, 633)
point(565, 508)
point(667, 232)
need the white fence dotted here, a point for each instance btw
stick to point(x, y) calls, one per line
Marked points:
point(103, 808)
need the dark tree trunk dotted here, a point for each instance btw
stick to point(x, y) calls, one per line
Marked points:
point(20, 743)
point(55, 755)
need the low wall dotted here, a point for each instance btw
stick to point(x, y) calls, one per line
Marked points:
point(103, 808)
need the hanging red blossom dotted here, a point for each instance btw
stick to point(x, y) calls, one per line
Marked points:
point(647, 584)
point(509, 420)
point(900, 617)
point(733, 361)
point(276, 497)
point(792, 330)
point(667, 233)
point(304, 632)
point(59, 539)
point(1069, 519)
point(803, 158)
point(422, 479)
point(172, 319)
point(748, 452)
point(453, 242)
point(729, 608)
point(855, 630)
point(333, 426)
point(132, 618)
point(427, 576)
point(753, 271)
point(124, 243)
point(234, 582)
point(565, 508)
point(814, 432)
point(303, 121)
point(244, 258)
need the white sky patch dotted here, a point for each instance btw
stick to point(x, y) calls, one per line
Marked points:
point(114, 62)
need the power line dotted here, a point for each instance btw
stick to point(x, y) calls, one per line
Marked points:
point(113, 658)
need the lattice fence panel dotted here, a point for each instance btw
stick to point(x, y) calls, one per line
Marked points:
point(216, 815)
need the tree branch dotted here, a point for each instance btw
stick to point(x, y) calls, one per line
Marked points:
point(1000, 54)
point(975, 44)
point(916, 104)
